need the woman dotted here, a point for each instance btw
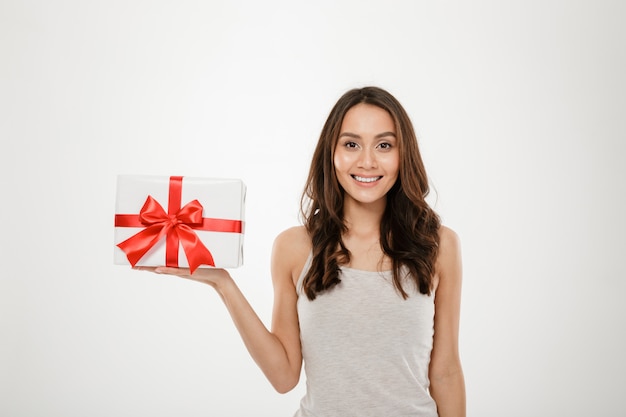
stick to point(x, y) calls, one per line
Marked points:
point(368, 291)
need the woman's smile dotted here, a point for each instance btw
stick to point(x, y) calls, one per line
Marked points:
point(367, 180)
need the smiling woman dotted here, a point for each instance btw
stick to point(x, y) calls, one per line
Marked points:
point(366, 292)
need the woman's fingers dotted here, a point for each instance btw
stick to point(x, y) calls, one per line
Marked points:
point(207, 275)
point(181, 272)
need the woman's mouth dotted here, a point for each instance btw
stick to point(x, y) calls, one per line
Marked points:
point(366, 179)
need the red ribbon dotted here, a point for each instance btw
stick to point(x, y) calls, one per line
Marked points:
point(177, 225)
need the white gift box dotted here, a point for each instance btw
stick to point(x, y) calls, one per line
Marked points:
point(154, 227)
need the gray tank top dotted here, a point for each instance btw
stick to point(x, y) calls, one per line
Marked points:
point(366, 349)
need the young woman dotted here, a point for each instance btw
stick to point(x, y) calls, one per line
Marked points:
point(368, 291)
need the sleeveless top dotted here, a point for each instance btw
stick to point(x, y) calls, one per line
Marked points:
point(366, 350)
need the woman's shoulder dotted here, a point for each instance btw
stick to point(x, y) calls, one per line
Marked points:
point(449, 247)
point(448, 239)
point(294, 239)
point(449, 254)
point(291, 249)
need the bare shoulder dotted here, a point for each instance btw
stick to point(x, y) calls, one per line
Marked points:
point(449, 257)
point(291, 249)
point(293, 241)
point(448, 241)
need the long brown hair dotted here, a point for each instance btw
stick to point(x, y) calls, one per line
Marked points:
point(409, 227)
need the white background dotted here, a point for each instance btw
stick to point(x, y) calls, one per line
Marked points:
point(519, 107)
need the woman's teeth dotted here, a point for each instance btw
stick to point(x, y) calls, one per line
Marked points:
point(364, 179)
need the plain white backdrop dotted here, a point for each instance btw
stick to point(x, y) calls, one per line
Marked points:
point(520, 112)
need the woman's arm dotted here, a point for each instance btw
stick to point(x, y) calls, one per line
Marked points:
point(447, 383)
point(278, 352)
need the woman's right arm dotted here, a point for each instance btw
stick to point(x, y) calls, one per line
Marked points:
point(276, 352)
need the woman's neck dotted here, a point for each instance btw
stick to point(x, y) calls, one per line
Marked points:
point(363, 219)
point(362, 238)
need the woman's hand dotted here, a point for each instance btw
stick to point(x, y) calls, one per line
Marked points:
point(215, 277)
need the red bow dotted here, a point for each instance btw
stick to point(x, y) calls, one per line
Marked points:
point(176, 227)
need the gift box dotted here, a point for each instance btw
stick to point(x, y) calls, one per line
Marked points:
point(179, 221)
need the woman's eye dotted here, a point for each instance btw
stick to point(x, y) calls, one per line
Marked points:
point(350, 145)
point(385, 146)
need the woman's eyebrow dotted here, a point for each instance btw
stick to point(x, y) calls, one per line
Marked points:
point(385, 134)
point(355, 136)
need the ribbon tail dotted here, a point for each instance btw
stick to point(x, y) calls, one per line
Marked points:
point(197, 254)
point(136, 246)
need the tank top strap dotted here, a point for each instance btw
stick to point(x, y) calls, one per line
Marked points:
point(305, 269)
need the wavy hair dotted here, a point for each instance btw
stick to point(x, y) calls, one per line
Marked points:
point(409, 227)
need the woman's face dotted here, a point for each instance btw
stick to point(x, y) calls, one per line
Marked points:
point(367, 157)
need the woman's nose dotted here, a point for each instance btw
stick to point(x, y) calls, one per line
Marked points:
point(367, 159)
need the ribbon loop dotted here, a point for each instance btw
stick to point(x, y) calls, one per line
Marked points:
point(191, 213)
point(151, 212)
